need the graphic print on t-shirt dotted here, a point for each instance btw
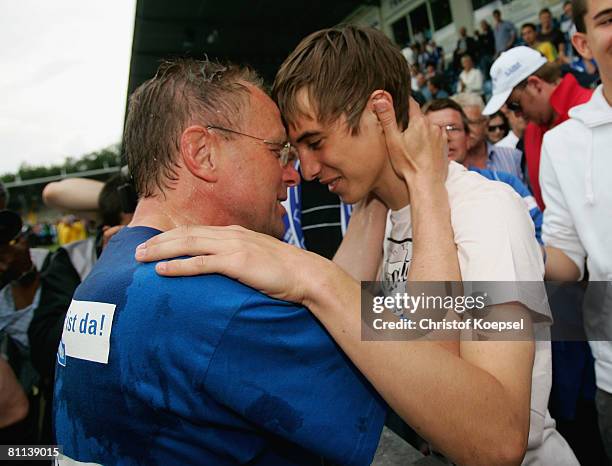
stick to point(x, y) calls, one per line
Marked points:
point(398, 254)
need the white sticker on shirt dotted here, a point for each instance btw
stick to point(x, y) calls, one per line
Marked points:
point(87, 330)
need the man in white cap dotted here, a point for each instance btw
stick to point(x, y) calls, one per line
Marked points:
point(529, 85)
point(576, 175)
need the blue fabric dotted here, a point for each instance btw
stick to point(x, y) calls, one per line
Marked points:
point(522, 190)
point(205, 370)
point(293, 218)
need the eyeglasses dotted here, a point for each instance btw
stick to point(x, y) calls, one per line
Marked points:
point(451, 129)
point(496, 128)
point(514, 106)
point(284, 151)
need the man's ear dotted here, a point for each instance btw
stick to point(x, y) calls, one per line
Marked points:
point(536, 83)
point(197, 153)
point(579, 40)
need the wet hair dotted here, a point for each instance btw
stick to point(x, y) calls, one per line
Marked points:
point(182, 92)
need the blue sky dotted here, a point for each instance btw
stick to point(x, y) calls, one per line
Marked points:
point(63, 83)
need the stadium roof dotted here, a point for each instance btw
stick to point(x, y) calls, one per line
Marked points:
point(260, 33)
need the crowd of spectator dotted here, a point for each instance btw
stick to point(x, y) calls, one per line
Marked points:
point(468, 70)
point(497, 128)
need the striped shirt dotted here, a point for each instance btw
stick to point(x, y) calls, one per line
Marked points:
point(505, 159)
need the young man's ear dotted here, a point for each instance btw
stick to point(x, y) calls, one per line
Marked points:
point(196, 153)
point(579, 40)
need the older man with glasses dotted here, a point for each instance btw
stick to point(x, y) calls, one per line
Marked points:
point(204, 370)
point(481, 153)
point(531, 86)
point(448, 115)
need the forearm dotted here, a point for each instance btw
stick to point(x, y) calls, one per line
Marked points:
point(443, 397)
point(360, 252)
point(434, 256)
point(559, 267)
point(73, 194)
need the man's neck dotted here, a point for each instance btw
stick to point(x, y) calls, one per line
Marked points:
point(159, 213)
point(477, 156)
point(392, 190)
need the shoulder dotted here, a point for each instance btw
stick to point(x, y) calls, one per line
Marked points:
point(201, 291)
point(476, 188)
point(565, 139)
point(480, 202)
point(493, 231)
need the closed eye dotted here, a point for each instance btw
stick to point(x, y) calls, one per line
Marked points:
point(314, 145)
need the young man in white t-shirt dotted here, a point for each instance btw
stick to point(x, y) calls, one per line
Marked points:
point(575, 176)
point(469, 399)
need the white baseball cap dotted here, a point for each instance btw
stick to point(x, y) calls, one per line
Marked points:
point(512, 67)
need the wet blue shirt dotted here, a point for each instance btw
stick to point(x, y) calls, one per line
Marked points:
point(202, 370)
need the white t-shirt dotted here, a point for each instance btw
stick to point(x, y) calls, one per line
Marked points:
point(408, 54)
point(495, 242)
point(472, 80)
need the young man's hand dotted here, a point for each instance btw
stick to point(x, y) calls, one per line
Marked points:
point(419, 154)
point(260, 261)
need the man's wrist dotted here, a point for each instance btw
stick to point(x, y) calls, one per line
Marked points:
point(326, 283)
point(427, 190)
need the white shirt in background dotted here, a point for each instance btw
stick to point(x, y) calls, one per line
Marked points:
point(511, 140)
point(472, 81)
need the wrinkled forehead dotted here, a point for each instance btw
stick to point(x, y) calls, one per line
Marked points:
point(446, 116)
point(473, 112)
point(263, 117)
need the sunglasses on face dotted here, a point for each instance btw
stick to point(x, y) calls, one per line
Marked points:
point(493, 128)
point(514, 106)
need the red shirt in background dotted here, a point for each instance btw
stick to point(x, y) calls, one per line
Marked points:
point(568, 94)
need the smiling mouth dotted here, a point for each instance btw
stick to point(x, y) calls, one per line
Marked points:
point(331, 183)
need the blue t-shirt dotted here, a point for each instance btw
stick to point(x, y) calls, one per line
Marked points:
point(202, 370)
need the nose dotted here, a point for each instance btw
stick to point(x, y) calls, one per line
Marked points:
point(310, 167)
point(291, 177)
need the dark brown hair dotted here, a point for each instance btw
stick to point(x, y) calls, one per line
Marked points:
point(436, 105)
point(529, 25)
point(579, 10)
point(182, 92)
point(340, 68)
